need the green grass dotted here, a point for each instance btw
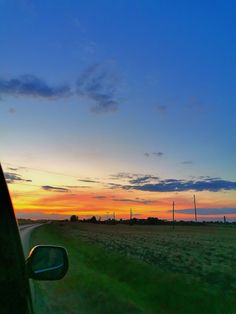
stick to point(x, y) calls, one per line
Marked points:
point(103, 281)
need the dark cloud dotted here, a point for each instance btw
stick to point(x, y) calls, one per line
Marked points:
point(88, 181)
point(207, 211)
point(13, 169)
point(77, 186)
point(115, 186)
point(54, 188)
point(130, 178)
point(143, 179)
point(123, 175)
point(84, 187)
point(154, 183)
point(73, 186)
point(136, 200)
point(187, 162)
point(100, 197)
point(99, 84)
point(32, 86)
point(173, 185)
point(158, 154)
point(14, 177)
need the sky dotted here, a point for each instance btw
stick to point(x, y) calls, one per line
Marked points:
point(112, 105)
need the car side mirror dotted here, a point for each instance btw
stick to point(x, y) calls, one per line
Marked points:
point(47, 262)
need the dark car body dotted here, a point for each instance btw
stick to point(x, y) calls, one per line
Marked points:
point(15, 294)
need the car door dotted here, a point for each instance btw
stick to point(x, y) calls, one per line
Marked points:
point(15, 294)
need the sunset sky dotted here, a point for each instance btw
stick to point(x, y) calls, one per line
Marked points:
point(112, 105)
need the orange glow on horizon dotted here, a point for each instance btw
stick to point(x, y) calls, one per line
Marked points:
point(105, 202)
point(57, 196)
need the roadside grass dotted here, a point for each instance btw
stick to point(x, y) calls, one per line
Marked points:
point(101, 281)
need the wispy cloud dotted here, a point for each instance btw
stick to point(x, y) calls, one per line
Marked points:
point(13, 169)
point(136, 200)
point(31, 85)
point(156, 154)
point(54, 188)
point(143, 179)
point(100, 197)
point(123, 176)
point(99, 84)
point(187, 162)
point(14, 177)
point(88, 181)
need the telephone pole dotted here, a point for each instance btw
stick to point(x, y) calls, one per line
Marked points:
point(130, 216)
point(195, 208)
point(173, 215)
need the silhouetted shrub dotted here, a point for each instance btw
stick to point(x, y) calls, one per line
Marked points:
point(74, 218)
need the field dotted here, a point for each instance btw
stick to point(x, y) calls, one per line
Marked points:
point(204, 252)
point(141, 269)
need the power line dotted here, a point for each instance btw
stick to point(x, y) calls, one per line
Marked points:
point(40, 170)
point(36, 169)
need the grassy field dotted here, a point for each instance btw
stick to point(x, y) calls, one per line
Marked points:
point(141, 269)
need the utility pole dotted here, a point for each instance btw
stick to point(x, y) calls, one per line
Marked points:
point(130, 216)
point(195, 208)
point(173, 215)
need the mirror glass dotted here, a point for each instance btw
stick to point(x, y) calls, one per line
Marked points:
point(47, 263)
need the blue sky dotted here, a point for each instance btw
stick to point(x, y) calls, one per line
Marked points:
point(95, 88)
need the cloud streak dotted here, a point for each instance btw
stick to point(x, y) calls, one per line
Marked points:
point(100, 197)
point(100, 85)
point(54, 188)
point(88, 181)
point(14, 177)
point(143, 179)
point(32, 86)
point(137, 200)
point(187, 162)
point(155, 154)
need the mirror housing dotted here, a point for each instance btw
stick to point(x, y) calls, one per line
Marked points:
point(47, 262)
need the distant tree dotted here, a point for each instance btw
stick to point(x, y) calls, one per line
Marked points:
point(74, 218)
point(93, 219)
point(152, 221)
